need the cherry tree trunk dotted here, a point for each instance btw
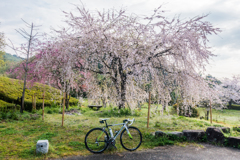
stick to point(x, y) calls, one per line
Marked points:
point(177, 108)
point(64, 96)
point(149, 102)
point(123, 91)
point(230, 104)
point(43, 106)
point(164, 107)
point(210, 111)
point(67, 101)
point(104, 102)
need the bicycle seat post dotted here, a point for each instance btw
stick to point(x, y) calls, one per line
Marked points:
point(106, 123)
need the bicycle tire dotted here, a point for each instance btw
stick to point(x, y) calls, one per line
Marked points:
point(94, 137)
point(131, 144)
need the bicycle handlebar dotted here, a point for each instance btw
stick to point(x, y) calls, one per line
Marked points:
point(131, 121)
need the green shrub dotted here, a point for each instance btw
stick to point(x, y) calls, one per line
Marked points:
point(49, 112)
point(236, 129)
point(157, 124)
point(54, 104)
point(84, 109)
point(3, 115)
point(137, 113)
point(124, 112)
point(55, 110)
point(13, 115)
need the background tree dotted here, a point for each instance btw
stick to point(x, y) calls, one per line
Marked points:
point(27, 50)
point(53, 65)
point(231, 90)
point(2, 45)
point(131, 49)
point(2, 62)
point(2, 41)
point(56, 63)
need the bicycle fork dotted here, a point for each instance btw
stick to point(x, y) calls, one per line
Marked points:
point(129, 134)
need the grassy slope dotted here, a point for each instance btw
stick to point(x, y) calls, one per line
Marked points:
point(11, 89)
point(21, 136)
point(226, 117)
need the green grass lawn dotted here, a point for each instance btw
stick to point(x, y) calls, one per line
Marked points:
point(18, 138)
point(228, 117)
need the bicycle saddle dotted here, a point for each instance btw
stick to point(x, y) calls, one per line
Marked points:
point(104, 119)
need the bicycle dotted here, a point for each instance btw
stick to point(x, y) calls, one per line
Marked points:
point(98, 140)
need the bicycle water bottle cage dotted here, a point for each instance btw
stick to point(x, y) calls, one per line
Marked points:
point(125, 120)
point(101, 121)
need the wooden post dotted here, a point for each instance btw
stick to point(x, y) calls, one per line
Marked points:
point(148, 109)
point(210, 112)
point(64, 95)
point(43, 106)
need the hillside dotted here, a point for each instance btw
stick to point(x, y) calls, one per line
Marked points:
point(11, 89)
point(11, 58)
point(9, 61)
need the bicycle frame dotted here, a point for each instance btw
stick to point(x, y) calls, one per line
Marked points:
point(124, 126)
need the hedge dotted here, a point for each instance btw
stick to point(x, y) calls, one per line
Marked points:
point(9, 106)
point(11, 89)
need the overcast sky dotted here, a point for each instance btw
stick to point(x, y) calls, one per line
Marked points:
point(224, 14)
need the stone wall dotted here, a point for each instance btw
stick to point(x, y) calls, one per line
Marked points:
point(214, 135)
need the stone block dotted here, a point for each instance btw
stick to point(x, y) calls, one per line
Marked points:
point(193, 135)
point(160, 134)
point(177, 134)
point(234, 141)
point(42, 146)
point(215, 135)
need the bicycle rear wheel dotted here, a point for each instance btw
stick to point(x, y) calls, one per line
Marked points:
point(96, 140)
point(131, 141)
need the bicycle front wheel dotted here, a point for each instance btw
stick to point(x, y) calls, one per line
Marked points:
point(96, 140)
point(132, 140)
